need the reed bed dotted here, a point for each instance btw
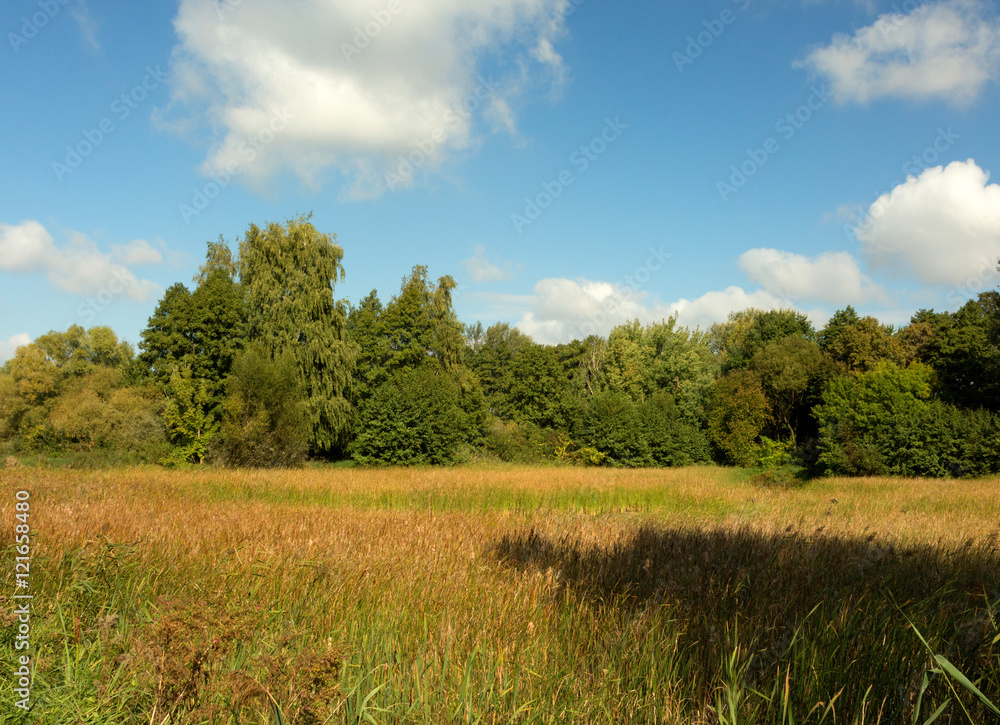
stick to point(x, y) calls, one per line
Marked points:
point(504, 595)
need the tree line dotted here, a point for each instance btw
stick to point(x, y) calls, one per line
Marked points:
point(261, 365)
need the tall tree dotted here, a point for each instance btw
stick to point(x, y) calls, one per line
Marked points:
point(739, 413)
point(861, 343)
point(750, 330)
point(416, 328)
point(964, 348)
point(202, 332)
point(288, 273)
point(218, 256)
point(792, 372)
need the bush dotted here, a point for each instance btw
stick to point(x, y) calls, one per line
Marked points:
point(785, 476)
point(738, 413)
point(774, 454)
point(262, 420)
point(414, 418)
point(672, 441)
point(613, 426)
point(516, 442)
point(880, 423)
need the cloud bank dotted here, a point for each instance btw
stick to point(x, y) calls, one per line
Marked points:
point(381, 91)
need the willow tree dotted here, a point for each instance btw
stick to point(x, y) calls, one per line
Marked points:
point(288, 273)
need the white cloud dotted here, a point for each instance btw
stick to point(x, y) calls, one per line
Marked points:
point(9, 346)
point(942, 227)
point(86, 23)
point(563, 309)
point(715, 306)
point(946, 49)
point(831, 277)
point(482, 270)
point(365, 82)
point(78, 266)
point(137, 252)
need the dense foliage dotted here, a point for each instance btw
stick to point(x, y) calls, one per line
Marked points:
point(260, 365)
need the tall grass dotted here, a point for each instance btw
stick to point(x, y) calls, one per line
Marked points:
point(504, 595)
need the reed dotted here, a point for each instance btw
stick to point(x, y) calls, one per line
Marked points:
point(504, 595)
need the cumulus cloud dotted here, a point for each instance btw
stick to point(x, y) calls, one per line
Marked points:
point(9, 346)
point(831, 277)
point(946, 49)
point(563, 309)
point(482, 269)
point(77, 266)
point(715, 306)
point(380, 91)
point(136, 252)
point(942, 227)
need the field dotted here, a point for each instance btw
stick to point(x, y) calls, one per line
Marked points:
point(503, 595)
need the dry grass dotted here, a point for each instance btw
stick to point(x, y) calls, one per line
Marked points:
point(502, 595)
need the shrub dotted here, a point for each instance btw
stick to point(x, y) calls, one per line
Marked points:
point(262, 421)
point(613, 426)
point(672, 440)
point(515, 442)
point(881, 423)
point(738, 414)
point(413, 418)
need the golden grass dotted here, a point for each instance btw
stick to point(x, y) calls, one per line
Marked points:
point(499, 594)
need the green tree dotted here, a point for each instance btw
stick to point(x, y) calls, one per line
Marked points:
point(671, 439)
point(738, 413)
point(188, 416)
point(964, 348)
point(792, 372)
point(47, 370)
point(681, 363)
point(745, 332)
point(203, 331)
point(870, 423)
point(612, 424)
point(365, 331)
point(263, 416)
point(288, 273)
point(537, 383)
point(218, 257)
point(626, 368)
point(861, 344)
point(167, 340)
point(415, 417)
point(492, 364)
point(584, 361)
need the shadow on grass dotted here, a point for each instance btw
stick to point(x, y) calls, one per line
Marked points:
point(824, 613)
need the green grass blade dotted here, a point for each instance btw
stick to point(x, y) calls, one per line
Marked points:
point(964, 682)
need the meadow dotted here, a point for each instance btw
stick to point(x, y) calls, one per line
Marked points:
point(503, 594)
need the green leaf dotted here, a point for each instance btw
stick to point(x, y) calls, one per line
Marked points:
point(965, 682)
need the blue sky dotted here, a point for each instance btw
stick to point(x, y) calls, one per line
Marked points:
point(571, 164)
